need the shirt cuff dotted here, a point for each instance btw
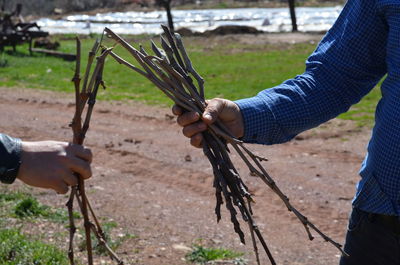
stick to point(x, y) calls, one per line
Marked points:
point(259, 121)
point(10, 158)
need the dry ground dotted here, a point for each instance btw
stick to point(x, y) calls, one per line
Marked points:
point(155, 185)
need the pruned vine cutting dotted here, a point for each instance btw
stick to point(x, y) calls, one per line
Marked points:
point(85, 99)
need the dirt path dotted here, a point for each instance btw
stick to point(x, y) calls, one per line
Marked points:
point(155, 185)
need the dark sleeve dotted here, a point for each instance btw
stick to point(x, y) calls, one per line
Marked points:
point(10, 158)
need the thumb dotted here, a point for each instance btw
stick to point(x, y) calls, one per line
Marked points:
point(213, 110)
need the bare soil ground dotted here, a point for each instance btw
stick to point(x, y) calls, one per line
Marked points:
point(155, 185)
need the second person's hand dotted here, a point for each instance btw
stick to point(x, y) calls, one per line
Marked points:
point(54, 165)
point(217, 109)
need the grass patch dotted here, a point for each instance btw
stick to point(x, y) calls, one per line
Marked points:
point(6, 197)
point(203, 255)
point(18, 210)
point(23, 205)
point(231, 70)
point(223, 68)
point(30, 207)
point(27, 209)
point(17, 248)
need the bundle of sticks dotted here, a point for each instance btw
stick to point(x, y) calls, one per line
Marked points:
point(85, 99)
point(170, 69)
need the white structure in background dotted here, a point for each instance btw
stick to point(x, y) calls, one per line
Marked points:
point(264, 19)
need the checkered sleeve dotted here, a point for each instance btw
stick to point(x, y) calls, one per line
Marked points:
point(346, 65)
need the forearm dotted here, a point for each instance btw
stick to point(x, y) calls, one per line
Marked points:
point(278, 114)
point(10, 158)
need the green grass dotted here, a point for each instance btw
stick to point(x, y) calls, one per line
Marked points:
point(231, 71)
point(23, 209)
point(202, 255)
point(30, 207)
point(17, 249)
point(231, 75)
point(23, 205)
point(6, 197)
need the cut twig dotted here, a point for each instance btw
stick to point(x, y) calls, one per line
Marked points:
point(86, 95)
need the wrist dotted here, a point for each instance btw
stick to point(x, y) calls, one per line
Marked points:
point(239, 132)
point(27, 160)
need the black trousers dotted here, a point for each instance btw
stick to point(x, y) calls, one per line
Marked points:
point(371, 241)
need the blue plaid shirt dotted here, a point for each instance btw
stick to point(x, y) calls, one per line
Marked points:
point(362, 46)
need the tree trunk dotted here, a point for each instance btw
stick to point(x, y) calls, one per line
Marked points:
point(293, 15)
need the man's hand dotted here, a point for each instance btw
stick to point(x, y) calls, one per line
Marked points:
point(222, 109)
point(53, 165)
